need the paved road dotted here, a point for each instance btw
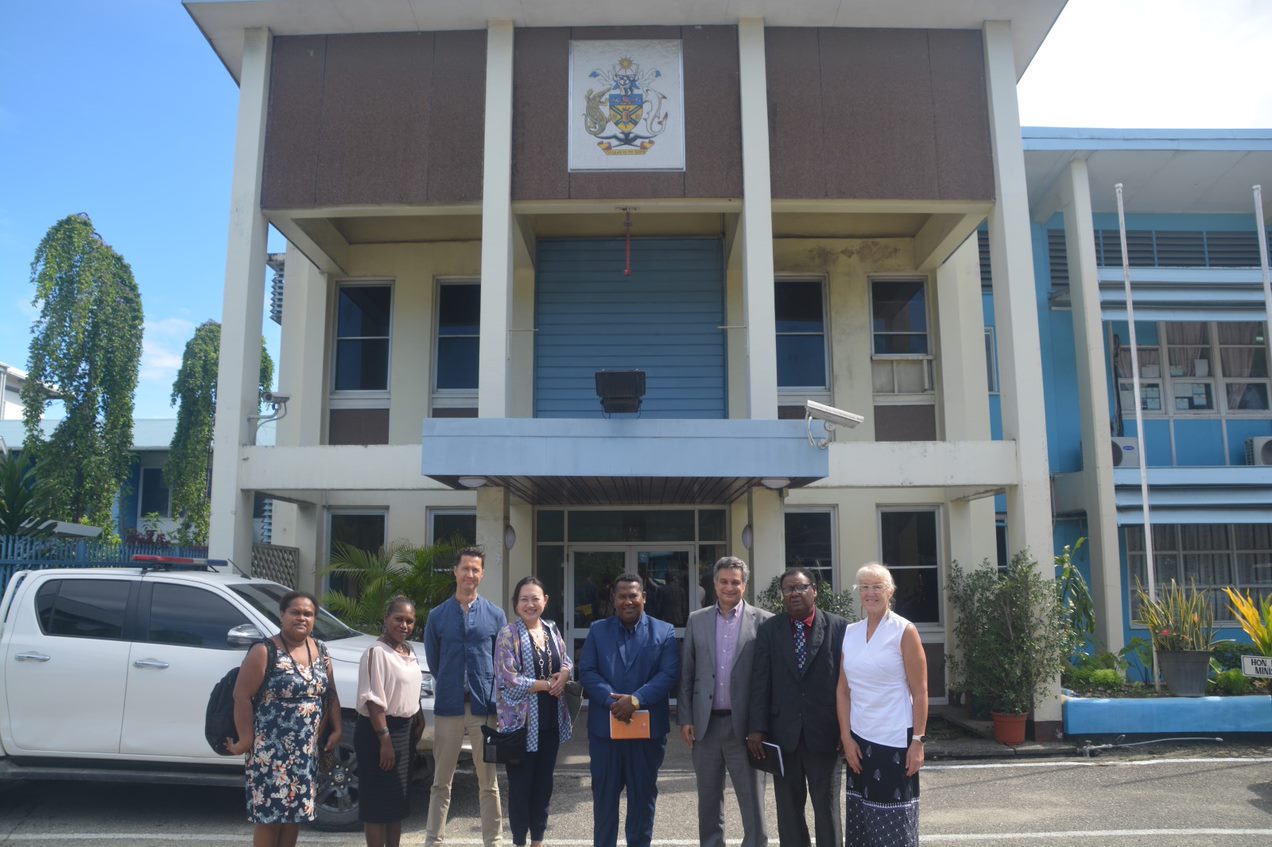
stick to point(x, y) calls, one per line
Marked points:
point(1186, 798)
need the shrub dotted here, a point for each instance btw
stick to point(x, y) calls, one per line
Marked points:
point(1106, 678)
point(828, 600)
point(1226, 655)
point(1232, 682)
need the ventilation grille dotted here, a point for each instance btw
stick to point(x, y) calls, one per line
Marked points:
point(1152, 249)
point(982, 245)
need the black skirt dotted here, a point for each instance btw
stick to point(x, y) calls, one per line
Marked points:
point(383, 795)
point(883, 803)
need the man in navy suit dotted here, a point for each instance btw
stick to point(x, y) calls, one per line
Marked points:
point(630, 661)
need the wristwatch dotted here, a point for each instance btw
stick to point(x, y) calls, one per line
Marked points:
point(922, 739)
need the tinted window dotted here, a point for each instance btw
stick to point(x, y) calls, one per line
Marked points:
point(264, 597)
point(191, 617)
point(84, 608)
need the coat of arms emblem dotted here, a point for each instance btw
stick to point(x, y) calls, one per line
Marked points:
point(628, 113)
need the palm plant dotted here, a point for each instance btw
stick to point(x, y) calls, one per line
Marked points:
point(1179, 618)
point(376, 576)
point(24, 508)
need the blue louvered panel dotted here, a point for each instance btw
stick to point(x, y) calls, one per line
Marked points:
point(664, 319)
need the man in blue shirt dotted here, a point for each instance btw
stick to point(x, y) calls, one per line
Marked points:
point(629, 662)
point(459, 641)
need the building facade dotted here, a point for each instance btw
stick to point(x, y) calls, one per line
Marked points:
point(484, 212)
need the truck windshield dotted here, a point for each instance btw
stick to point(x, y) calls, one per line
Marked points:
point(264, 597)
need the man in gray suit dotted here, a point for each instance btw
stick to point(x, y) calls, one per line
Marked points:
point(715, 677)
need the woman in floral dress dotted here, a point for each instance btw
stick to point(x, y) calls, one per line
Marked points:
point(280, 700)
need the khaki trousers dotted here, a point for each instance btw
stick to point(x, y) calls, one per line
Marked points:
point(448, 737)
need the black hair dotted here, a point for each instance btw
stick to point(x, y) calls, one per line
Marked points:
point(471, 550)
point(804, 572)
point(396, 601)
point(522, 583)
point(292, 596)
point(627, 577)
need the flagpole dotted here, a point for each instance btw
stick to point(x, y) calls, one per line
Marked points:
point(1263, 263)
point(1139, 418)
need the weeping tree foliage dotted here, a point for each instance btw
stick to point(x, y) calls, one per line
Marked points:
point(85, 351)
point(194, 394)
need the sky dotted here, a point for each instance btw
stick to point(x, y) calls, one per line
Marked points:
point(119, 108)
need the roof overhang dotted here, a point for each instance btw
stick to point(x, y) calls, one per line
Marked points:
point(223, 21)
point(620, 461)
point(1178, 294)
point(1168, 171)
point(1199, 495)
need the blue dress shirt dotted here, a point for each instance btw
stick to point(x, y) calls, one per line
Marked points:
point(460, 650)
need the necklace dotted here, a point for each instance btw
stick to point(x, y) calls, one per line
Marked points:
point(400, 648)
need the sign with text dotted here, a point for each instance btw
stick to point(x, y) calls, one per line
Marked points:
point(626, 106)
point(1257, 666)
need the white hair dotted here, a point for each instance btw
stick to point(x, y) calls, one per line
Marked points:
point(878, 570)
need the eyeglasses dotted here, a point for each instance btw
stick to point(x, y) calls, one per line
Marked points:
point(872, 589)
point(797, 589)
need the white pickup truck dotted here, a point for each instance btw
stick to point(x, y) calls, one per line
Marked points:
point(106, 675)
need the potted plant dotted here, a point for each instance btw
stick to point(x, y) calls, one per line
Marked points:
point(1180, 621)
point(1014, 635)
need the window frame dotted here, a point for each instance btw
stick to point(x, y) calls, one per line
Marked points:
point(351, 511)
point(991, 360)
point(893, 361)
point(433, 512)
point(1136, 564)
point(141, 494)
point(935, 509)
point(797, 394)
point(359, 398)
point(836, 581)
point(450, 398)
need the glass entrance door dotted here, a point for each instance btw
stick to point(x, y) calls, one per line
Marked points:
point(665, 568)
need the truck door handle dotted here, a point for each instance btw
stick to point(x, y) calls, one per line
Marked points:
point(150, 663)
point(31, 657)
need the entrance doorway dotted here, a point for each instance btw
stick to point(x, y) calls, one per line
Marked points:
point(670, 588)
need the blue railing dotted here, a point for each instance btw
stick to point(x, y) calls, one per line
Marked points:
point(18, 553)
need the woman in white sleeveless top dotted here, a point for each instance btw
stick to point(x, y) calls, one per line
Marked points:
point(883, 704)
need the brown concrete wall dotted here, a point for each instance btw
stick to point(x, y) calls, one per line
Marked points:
point(713, 123)
point(392, 118)
point(878, 114)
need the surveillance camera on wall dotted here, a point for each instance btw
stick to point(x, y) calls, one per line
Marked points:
point(830, 418)
point(276, 399)
point(830, 415)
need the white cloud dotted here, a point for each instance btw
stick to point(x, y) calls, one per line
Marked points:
point(162, 344)
point(1152, 63)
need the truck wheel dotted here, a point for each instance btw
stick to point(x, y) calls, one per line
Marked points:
point(337, 804)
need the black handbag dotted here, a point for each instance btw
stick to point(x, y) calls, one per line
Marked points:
point(503, 748)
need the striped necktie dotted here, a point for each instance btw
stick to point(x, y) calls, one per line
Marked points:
point(801, 645)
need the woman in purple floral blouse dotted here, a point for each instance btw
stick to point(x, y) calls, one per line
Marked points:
point(531, 669)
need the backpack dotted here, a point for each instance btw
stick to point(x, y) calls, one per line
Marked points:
point(218, 721)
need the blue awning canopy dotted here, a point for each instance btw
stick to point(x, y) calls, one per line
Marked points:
point(560, 461)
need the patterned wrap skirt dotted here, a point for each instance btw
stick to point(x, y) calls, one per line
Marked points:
point(883, 803)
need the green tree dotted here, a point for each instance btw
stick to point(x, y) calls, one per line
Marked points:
point(85, 351)
point(23, 507)
point(194, 394)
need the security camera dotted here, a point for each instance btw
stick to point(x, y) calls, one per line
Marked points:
point(830, 418)
point(276, 399)
point(830, 415)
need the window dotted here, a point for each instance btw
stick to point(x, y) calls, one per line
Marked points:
point(155, 496)
point(360, 530)
point(801, 336)
point(190, 617)
point(445, 525)
point(83, 608)
point(455, 360)
point(902, 349)
point(1212, 555)
point(1190, 368)
point(362, 337)
point(810, 543)
point(910, 548)
point(991, 359)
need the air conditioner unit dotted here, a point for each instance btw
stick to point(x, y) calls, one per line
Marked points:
point(1125, 452)
point(1259, 451)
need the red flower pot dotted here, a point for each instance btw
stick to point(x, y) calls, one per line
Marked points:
point(1009, 729)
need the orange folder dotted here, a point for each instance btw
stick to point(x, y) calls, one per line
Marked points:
point(637, 728)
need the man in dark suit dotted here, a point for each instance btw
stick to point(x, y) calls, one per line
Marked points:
point(793, 684)
point(630, 661)
point(715, 682)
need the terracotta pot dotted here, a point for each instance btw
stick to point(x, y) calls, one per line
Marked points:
point(1009, 729)
point(1185, 671)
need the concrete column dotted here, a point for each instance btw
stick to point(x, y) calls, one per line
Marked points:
point(492, 517)
point(230, 535)
point(521, 556)
point(496, 225)
point(301, 525)
point(768, 525)
point(756, 225)
point(1016, 319)
point(1093, 406)
point(961, 337)
point(302, 355)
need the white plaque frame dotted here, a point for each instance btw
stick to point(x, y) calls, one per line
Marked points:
point(639, 84)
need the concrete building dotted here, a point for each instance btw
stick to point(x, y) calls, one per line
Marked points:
point(1201, 320)
point(754, 204)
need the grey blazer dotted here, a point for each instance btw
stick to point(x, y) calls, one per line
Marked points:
point(698, 664)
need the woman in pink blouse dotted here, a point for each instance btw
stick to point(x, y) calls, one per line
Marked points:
point(389, 680)
point(531, 669)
